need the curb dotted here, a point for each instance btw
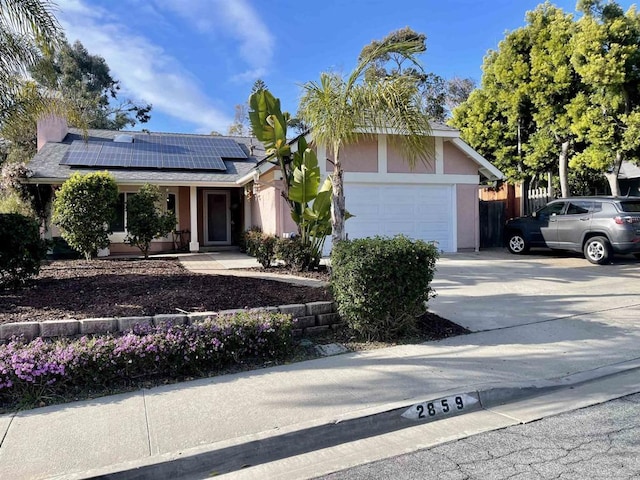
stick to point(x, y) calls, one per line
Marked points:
point(270, 446)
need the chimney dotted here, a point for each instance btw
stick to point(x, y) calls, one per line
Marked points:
point(51, 129)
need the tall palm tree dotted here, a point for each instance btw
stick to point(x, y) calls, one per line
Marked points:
point(26, 28)
point(342, 110)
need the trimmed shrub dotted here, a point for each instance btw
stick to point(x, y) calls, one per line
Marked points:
point(297, 255)
point(21, 249)
point(146, 221)
point(381, 285)
point(262, 246)
point(83, 208)
point(32, 371)
point(250, 239)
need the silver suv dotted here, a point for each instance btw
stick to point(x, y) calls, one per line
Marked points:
point(596, 226)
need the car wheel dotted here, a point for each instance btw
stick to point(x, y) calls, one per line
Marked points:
point(597, 250)
point(517, 244)
point(637, 255)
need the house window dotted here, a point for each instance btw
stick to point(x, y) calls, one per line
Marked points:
point(120, 222)
point(171, 203)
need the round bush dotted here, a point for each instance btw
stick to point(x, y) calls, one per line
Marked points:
point(21, 249)
point(381, 285)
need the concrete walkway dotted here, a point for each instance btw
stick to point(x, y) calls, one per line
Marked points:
point(314, 417)
point(233, 262)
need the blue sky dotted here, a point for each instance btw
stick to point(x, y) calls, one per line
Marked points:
point(194, 60)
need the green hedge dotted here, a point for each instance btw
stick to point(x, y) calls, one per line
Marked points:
point(260, 245)
point(21, 249)
point(382, 284)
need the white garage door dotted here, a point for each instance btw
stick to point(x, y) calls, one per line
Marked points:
point(425, 212)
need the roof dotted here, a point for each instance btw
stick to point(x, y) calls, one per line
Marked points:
point(46, 168)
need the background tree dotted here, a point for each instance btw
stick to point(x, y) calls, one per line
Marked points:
point(86, 80)
point(606, 114)
point(83, 208)
point(559, 93)
point(146, 220)
point(336, 107)
point(239, 126)
point(440, 96)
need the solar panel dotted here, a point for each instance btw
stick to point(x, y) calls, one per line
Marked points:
point(181, 152)
point(82, 154)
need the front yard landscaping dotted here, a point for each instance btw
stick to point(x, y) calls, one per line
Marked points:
point(122, 288)
point(42, 372)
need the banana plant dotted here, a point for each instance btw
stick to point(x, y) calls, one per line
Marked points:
point(309, 198)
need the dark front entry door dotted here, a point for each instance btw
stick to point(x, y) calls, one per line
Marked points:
point(217, 218)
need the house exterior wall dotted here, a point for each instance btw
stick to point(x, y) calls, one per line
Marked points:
point(379, 165)
point(468, 217)
point(396, 162)
point(264, 210)
point(360, 157)
point(456, 162)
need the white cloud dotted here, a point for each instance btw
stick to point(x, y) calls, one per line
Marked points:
point(145, 69)
point(237, 19)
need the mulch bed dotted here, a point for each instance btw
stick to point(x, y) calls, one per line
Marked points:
point(123, 287)
point(128, 287)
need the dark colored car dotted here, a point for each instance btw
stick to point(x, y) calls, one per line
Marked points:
point(596, 226)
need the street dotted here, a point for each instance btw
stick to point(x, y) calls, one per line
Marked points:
point(598, 442)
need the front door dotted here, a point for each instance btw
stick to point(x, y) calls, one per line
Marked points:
point(217, 219)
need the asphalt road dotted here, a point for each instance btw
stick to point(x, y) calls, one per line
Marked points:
point(598, 442)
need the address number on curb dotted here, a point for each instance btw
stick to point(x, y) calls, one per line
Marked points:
point(442, 407)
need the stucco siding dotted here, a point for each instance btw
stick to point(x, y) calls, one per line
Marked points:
point(456, 162)
point(467, 216)
point(396, 162)
point(357, 157)
point(264, 209)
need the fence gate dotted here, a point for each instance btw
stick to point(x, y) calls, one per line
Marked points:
point(492, 217)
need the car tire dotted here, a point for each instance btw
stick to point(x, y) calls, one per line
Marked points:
point(637, 255)
point(597, 250)
point(516, 243)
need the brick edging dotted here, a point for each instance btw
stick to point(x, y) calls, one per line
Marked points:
point(313, 317)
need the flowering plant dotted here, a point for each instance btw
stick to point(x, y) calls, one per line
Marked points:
point(31, 372)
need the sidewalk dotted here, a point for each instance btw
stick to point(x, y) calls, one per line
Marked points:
point(218, 425)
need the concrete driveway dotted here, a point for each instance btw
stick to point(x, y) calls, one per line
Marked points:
point(494, 289)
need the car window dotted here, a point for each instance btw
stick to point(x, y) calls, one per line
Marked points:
point(579, 207)
point(608, 208)
point(552, 208)
point(630, 206)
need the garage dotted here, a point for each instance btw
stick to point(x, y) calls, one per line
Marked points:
point(425, 212)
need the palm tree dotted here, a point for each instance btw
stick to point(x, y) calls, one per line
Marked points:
point(342, 110)
point(27, 27)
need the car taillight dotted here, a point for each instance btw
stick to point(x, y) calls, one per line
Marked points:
point(626, 219)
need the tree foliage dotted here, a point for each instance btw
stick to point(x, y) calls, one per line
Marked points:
point(21, 250)
point(85, 80)
point(560, 93)
point(83, 208)
point(25, 25)
point(338, 108)
point(146, 220)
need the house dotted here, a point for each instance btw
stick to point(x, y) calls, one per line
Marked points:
point(220, 186)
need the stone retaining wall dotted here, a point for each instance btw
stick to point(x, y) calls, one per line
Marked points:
point(314, 317)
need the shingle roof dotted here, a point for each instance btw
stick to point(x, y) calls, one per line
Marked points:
point(45, 165)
